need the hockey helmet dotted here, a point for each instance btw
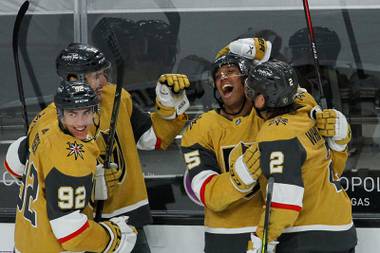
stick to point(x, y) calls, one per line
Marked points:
point(78, 59)
point(75, 95)
point(275, 80)
point(231, 59)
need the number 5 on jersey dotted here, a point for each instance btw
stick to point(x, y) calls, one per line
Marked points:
point(192, 159)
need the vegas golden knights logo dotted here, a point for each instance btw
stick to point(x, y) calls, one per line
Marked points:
point(117, 154)
point(75, 149)
point(278, 121)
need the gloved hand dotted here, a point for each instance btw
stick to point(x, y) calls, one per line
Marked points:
point(122, 236)
point(245, 171)
point(171, 99)
point(106, 180)
point(333, 125)
point(255, 244)
point(257, 49)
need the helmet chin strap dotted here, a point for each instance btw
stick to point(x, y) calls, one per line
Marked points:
point(238, 112)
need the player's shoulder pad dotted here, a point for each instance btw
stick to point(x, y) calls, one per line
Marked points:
point(200, 126)
point(276, 128)
point(109, 92)
point(39, 137)
point(304, 98)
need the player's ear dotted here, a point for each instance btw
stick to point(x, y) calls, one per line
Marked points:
point(259, 101)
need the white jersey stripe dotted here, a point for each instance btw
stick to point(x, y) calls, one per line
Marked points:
point(287, 194)
point(68, 224)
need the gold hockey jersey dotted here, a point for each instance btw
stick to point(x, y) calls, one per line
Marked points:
point(206, 145)
point(56, 189)
point(133, 127)
point(308, 205)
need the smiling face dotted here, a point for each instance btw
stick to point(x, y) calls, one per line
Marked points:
point(97, 80)
point(78, 121)
point(228, 82)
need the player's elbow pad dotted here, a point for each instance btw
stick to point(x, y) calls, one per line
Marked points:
point(15, 158)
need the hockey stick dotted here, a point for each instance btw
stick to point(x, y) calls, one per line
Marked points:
point(115, 48)
point(313, 46)
point(264, 247)
point(15, 38)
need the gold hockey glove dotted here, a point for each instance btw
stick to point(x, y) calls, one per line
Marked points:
point(122, 236)
point(171, 99)
point(326, 121)
point(333, 125)
point(245, 171)
point(176, 82)
point(257, 49)
point(106, 180)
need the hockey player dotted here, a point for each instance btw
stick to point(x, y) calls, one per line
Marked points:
point(230, 215)
point(135, 129)
point(57, 184)
point(310, 212)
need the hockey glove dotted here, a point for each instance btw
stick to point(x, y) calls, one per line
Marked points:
point(245, 171)
point(106, 180)
point(171, 99)
point(15, 158)
point(255, 244)
point(333, 125)
point(122, 236)
point(256, 49)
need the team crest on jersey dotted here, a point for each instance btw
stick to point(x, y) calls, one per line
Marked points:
point(277, 121)
point(75, 150)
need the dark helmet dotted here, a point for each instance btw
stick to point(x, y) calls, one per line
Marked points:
point(275, 80)
point(231, 59)
point(75, 95)
point(328, 46)
point(78, 59)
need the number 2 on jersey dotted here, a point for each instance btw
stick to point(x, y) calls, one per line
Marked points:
point(276, 164)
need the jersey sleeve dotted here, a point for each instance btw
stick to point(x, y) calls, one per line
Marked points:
point(339, 159)
point(15, 159)
point(149, 129)
point(208, 184)
point(167, 130)
point(283, 160)
point(67, 197)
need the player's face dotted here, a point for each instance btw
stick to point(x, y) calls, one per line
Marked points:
point(229, 85)
point(97, 80)
point(78, 122)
